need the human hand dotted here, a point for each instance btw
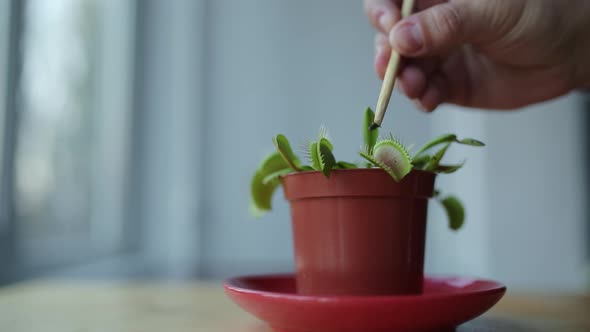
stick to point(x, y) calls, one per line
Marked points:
point(497, 54)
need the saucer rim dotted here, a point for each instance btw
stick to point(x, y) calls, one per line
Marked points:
point(229, 285)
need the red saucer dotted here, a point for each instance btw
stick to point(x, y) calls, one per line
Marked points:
point(445, 303)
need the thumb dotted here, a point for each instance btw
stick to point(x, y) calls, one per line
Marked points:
point(441, 28)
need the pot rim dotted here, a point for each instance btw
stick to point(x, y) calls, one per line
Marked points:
point(235, 285)
point(358, 182)
point(352, 170)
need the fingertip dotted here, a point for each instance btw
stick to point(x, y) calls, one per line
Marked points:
point(430, 100)
point(434, 95)
point(412, 81)
point(420, 106)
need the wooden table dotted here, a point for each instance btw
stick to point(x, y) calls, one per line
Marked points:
point(87, 306)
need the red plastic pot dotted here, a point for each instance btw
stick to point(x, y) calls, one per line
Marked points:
point(358, 232)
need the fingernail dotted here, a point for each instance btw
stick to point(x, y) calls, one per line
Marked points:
point(408, 37)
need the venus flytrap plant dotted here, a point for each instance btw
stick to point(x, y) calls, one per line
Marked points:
point(390, 155)
point(370, 136)
point(320, 154)
point(386, 153)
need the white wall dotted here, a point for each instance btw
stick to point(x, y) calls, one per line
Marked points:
point(526, 197)
point(170, 108)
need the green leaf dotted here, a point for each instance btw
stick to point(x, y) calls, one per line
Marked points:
point(370, 136)
point(435, 160)
point(455, 211)
point(276, 175)
point(394, 155)
point(448, 169)
point(307, 168)
point(421, 161)
point(375, 162)
point(346, 165)
point(261, 193)
point(471, 142)
point(446, 138)
point(284, 147)
point(326, 158)
point(272, 163)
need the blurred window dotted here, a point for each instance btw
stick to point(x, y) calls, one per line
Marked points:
point(72, 136)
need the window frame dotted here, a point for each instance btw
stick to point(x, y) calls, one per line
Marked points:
point(11, 64)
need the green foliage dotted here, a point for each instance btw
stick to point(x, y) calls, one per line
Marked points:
point(262, 191)
point(370, 136)
point(326, 158)
point(471, 142)
point(434, 161)
point(393, 157)
point(275, 176)
point(325, 137)
point(345, 165)
point(379, 164)
point(314, 156)
point(421, 161)
point(388, 154)
point(448, 169)
point(448, 138)
point(455, 211)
